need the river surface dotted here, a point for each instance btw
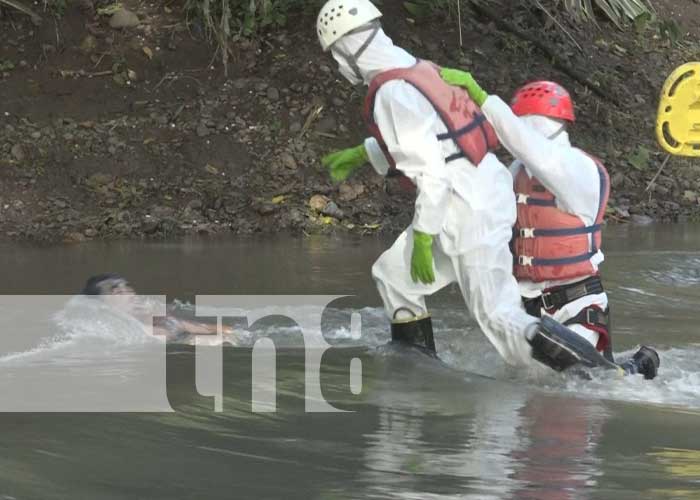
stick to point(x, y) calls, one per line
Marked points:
point(97, 409)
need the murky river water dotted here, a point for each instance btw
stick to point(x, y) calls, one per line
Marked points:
point(466, 428)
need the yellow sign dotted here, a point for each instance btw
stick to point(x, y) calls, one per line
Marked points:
point(678, 119)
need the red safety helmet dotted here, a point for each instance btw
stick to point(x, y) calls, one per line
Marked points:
point(543, 98)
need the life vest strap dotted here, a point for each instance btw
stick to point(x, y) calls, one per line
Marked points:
point(531, 232)
point(564, 260)
point(456, 134)
point(524, 199)
point(455, 156)
point(529, 260)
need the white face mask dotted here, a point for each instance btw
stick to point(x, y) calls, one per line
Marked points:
point(347, 63)
point(345, 69)
point(548, 127)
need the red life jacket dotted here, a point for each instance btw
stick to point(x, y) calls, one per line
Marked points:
point(466, 124)
point(548, 243)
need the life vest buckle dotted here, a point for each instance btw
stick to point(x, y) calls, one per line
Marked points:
point(527, 232)
point(522, 198)
point(524, 260)
point(547, 301)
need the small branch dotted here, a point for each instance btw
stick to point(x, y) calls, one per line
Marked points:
point(309, 120)
point(65, 73)
point(459, 21)
point(658, 172)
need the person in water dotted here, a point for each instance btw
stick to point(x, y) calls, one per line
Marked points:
point(116, 291)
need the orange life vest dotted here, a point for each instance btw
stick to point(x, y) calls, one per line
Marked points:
point(548, 243)
point(465, 123)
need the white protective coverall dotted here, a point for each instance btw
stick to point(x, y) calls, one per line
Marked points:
point(469, 210)
point(567, 172)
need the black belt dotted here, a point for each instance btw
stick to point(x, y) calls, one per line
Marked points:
point(557, 297)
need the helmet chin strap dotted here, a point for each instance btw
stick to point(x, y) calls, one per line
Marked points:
point(351, 59)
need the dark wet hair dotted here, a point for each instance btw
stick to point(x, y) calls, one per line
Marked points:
point(92, 285)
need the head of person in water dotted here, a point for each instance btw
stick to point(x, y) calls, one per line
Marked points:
point(113, 290)
point(107, 284)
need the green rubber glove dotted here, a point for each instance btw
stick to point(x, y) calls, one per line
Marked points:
point(465, 80)
point(342, 164)
point(422, 258)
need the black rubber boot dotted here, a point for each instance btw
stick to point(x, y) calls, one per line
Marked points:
point(416, 332)
point(560, 348)
point(645, 362)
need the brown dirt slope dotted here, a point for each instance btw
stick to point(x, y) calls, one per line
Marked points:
point(136, 132)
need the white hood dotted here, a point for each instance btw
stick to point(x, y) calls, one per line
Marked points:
point(380, 55)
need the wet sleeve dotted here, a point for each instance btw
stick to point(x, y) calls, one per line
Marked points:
point(376, 156)
point(566, 171)
point(408, 123)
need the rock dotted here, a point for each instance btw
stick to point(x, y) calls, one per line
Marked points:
point(89, 44)
point(18, 152)
point(162, 212)
point(332, 210)
point(296, 217)
point(618, 179)
point(266, 208)
point(124, 19)
point(690, 196)
point(273, 94)
point(73, 237)
point(662, 191)
point(150, 224)
point(641, 220)
point(90, 232)
point(195, 205)
point(337, 101)
point(349, 192)
point(622, 212)
point(327, 124)
point(288, 161)
point(202, 130)
point(295, 127)
point(36, 135)
point(318, 202)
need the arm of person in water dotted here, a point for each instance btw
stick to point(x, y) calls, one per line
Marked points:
point(566, 171)
point(197, 328)
point(171, 324)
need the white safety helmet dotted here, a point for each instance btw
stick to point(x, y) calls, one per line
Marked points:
point(339, 17)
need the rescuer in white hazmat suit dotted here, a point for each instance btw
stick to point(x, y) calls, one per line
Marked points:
point(562, 194)
point(464, 210)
